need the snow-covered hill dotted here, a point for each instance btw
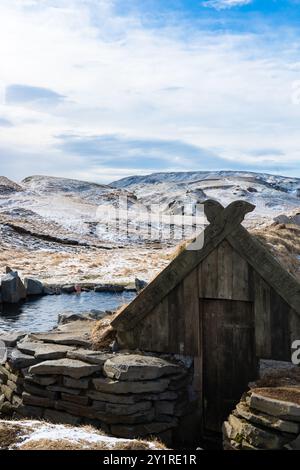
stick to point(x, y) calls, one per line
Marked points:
point(271, 194)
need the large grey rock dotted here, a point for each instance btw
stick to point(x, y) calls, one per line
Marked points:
point(18, 360)
point(10, 339)
point(33, 286)
point(109, 288)
point(255, 436)
point(12, 288)
point(43, 352)
point(281, 409)
point(113, 386)
point(76, 333)
point(263, 419)
point(70, 367)
point(68, 317)
point(92, 357)
point(137, 367)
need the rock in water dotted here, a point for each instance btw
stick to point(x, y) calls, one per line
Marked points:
point(140, 285)
point(33, 286)
point(12, 288)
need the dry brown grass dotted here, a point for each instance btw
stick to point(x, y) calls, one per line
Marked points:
point(280, 378)
point(283, 240)
point(61, 444)
point(10, 434)
point(103, 334)
point(289, 394)
point(65, 444)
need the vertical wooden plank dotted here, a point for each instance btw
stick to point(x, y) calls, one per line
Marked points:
point(280, 328)
point(191, 313)
point(229, 357)
point(209, 275)
point(176, 320)
point(294, 326)
point(160, 327)
point(262, 309)
point(224, 271)
point(240, 268)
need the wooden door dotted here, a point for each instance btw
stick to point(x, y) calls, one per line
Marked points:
point(229, 360)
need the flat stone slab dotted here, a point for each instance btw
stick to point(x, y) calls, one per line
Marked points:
point(137, 367)
point(255, 436)
point(77, 333)
point(42, 351)
point(113, 386)
point(70, 367)
point(10, 339)
point(263, 419)
point(93, 357)
point(82, 384)
point(279, 408)
point(18, 360)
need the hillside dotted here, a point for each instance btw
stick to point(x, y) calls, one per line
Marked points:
point(71, 223)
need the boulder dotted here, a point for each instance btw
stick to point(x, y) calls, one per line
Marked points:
point(130, 367)
point(67, 317)
point(10, 339)
point(12, 288)
point(109, 288)
point(68, 289)
point(18, 360)
point(33, 286)
point(70, 367)
point(113, 386)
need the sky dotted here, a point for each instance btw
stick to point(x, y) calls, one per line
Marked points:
point(103, 89)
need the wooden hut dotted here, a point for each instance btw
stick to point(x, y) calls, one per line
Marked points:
point(228, 305)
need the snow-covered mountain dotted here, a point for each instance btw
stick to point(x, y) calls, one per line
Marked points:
point(271, 194)
point(78, 211)
point(57, 228)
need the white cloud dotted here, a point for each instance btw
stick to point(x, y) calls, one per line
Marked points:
point(228, 93)
point(223, 4)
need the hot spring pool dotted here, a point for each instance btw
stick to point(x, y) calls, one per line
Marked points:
point(41, 314)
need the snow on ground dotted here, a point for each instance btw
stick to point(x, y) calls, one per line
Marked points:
point(30, 433)
point(40, 209)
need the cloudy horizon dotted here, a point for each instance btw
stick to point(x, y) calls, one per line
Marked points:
point(103, 89)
